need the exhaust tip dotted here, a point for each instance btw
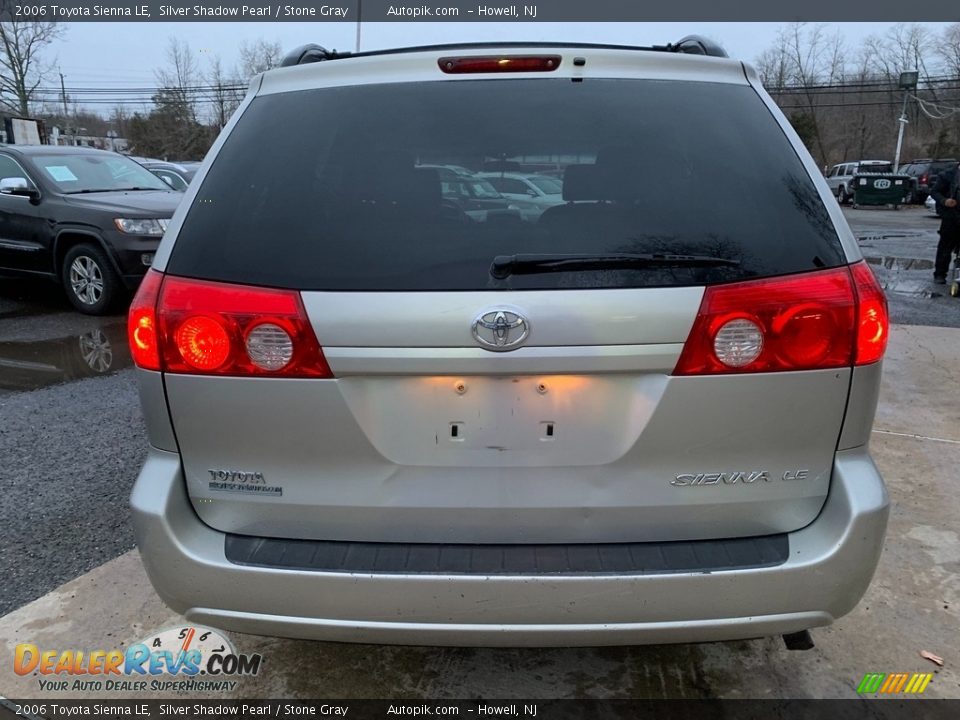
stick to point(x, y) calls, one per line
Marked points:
point(799, 640)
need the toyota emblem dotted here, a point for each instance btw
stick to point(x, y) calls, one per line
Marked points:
point(500, 330)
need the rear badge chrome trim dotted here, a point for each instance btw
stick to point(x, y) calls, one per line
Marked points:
point(500, 329)
point(736, 478)
point(238, 481)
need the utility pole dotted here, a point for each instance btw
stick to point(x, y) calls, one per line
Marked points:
point(359, 10)
point(908, 82)
point(66, 113)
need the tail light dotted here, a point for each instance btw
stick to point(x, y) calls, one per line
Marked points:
point(209, 328)
point(142, 323)
point(873, 321)
point(826, 319)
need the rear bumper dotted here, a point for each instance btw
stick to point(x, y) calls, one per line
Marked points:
point(831, 562)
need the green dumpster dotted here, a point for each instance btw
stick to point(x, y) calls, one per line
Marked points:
point(880, 189)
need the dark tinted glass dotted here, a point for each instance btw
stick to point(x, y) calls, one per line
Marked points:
point(8, 168)
point(371, 187)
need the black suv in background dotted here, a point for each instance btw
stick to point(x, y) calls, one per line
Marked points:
point(89, 219)
point(924, 173)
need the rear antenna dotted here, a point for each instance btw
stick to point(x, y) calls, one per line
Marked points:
point(698, 45)
point(309, 53)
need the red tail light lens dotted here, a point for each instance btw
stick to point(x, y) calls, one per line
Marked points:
point(801, 322)
point(142, 323)
point(873, 320)
point(203, 342)
point(202, 327)
point(499, 64)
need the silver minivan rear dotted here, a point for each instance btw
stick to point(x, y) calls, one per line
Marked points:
point(386, 404)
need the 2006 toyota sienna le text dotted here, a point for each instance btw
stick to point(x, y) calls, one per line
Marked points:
point(637, 417)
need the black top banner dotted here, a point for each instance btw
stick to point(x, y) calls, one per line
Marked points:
point(475, 11)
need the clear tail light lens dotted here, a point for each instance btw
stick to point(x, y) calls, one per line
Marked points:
point(738, 342)
point(200, 327)
point(269, 346)
point(825, 319)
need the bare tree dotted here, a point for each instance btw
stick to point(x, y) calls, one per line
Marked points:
point(257, 57)
point(179, 79)
point(811, 57)
point(22, 65)
point(908, 47)
point(773, 67)
point(950, 49)
point(224, 93)
point(845, 102)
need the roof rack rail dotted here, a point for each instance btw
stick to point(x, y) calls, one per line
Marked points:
point(692, 44)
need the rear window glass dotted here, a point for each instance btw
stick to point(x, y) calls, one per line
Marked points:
point(375, 188)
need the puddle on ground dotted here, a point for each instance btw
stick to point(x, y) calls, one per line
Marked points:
point(901, 263)
point(914, 286)
point(39, 363)
point(911, 288)
point(888, 236)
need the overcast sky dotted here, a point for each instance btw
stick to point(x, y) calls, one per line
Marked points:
point(126, 54)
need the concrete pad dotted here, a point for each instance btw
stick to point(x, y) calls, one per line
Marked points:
point(912, 604)
point(921, 382)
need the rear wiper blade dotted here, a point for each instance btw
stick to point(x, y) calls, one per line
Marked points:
point(531, 263)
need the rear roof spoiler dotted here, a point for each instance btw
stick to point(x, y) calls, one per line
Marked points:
point(311, 53)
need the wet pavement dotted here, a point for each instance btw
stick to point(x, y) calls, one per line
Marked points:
point(44, 342)
point(900, 247)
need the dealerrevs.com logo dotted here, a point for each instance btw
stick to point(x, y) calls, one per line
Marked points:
point(173, 659)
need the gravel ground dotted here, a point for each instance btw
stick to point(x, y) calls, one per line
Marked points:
point(70, 455)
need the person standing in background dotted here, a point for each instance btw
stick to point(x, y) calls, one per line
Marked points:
point(947, 194)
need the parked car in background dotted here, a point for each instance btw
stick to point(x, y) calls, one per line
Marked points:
point(538, 191)
point(176, 175)
point(925, 172)
point(88, 219)
point(840, 177)
point(643, 418)
point(472, 195)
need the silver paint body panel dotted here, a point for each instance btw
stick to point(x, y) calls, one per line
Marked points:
point(831, 563)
